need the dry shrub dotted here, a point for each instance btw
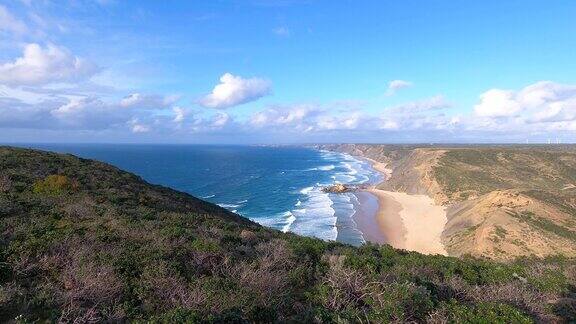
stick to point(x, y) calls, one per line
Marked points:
point(10, 291)
point(5, 183)
point(87, 291)
point(438, 316)
point(248, 237)
point(268, 275)
point(173, 290)
point(516, 293)
point(91, 283)
point(203, 263)
point(82, 209)
point(371, 299)
point(347, 287)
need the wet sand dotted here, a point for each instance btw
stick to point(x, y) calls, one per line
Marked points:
point(366, 220)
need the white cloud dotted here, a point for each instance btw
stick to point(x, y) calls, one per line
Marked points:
point(425, 114)
point(235, 90)
point(221, 119)
point(544, 101)
point(131, 100)
point(40, 65)
point(137, 127)
point(147, 101)
point(497, 103)
point(281, 31)
point(179, 114)
point(541, 108)
point(10, 23)
point(395, 85)
point(282, 116)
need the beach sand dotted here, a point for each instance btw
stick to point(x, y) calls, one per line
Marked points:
point(384, 225)
point(411, 222)
point(380, 167)
point(366, 220)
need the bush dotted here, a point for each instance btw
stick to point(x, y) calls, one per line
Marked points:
point(484, 313)
point(121, 250)
point(54, 185)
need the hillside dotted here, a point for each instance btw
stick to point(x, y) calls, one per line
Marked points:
point(82, 241)
point(504, 201)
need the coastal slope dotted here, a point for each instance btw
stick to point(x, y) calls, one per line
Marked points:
point(501, 201)
point(82, 241)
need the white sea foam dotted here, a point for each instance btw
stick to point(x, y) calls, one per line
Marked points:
point(319, 212)
point(306, 190)
point(209, 196)
point(229, 206)
point(317, 217)
point(289, 218)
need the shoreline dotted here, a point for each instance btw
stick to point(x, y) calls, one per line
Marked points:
point(410, 222)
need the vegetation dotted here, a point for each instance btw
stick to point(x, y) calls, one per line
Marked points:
point(544, 172)
point(82, 241)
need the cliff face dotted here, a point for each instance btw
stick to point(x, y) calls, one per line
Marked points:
point(503, 201)
point(82, 241)
point(505, 224)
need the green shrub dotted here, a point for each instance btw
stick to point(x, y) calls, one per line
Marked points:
point(484, 313)
point(177, 315)
point(550, 281)
point(54, 185)
point(177, 259)
point(201, 245)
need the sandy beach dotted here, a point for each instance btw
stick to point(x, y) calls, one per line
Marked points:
point(411, 222)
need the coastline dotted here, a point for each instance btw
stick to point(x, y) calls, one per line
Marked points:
point(410, 222)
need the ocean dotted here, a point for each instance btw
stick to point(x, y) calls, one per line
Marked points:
point(279, 187)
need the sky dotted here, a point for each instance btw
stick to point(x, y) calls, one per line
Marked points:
point(288, 71)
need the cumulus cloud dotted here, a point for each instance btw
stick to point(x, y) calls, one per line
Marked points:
point(147, 101)
point(544, 101)
point(41, 65)
point(235, 90)
point(306, 118)
point(89, 113)
point(541, 108)
point(497, 103)
point(395, 85)
point(10, 23)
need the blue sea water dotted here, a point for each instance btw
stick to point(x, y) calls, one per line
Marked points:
point(279, 187)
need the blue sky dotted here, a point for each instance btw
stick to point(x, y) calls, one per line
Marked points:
point(285, 71)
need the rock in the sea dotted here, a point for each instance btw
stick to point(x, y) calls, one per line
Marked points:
point(337, 188)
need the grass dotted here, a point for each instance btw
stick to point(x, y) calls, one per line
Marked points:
point(113, 248)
